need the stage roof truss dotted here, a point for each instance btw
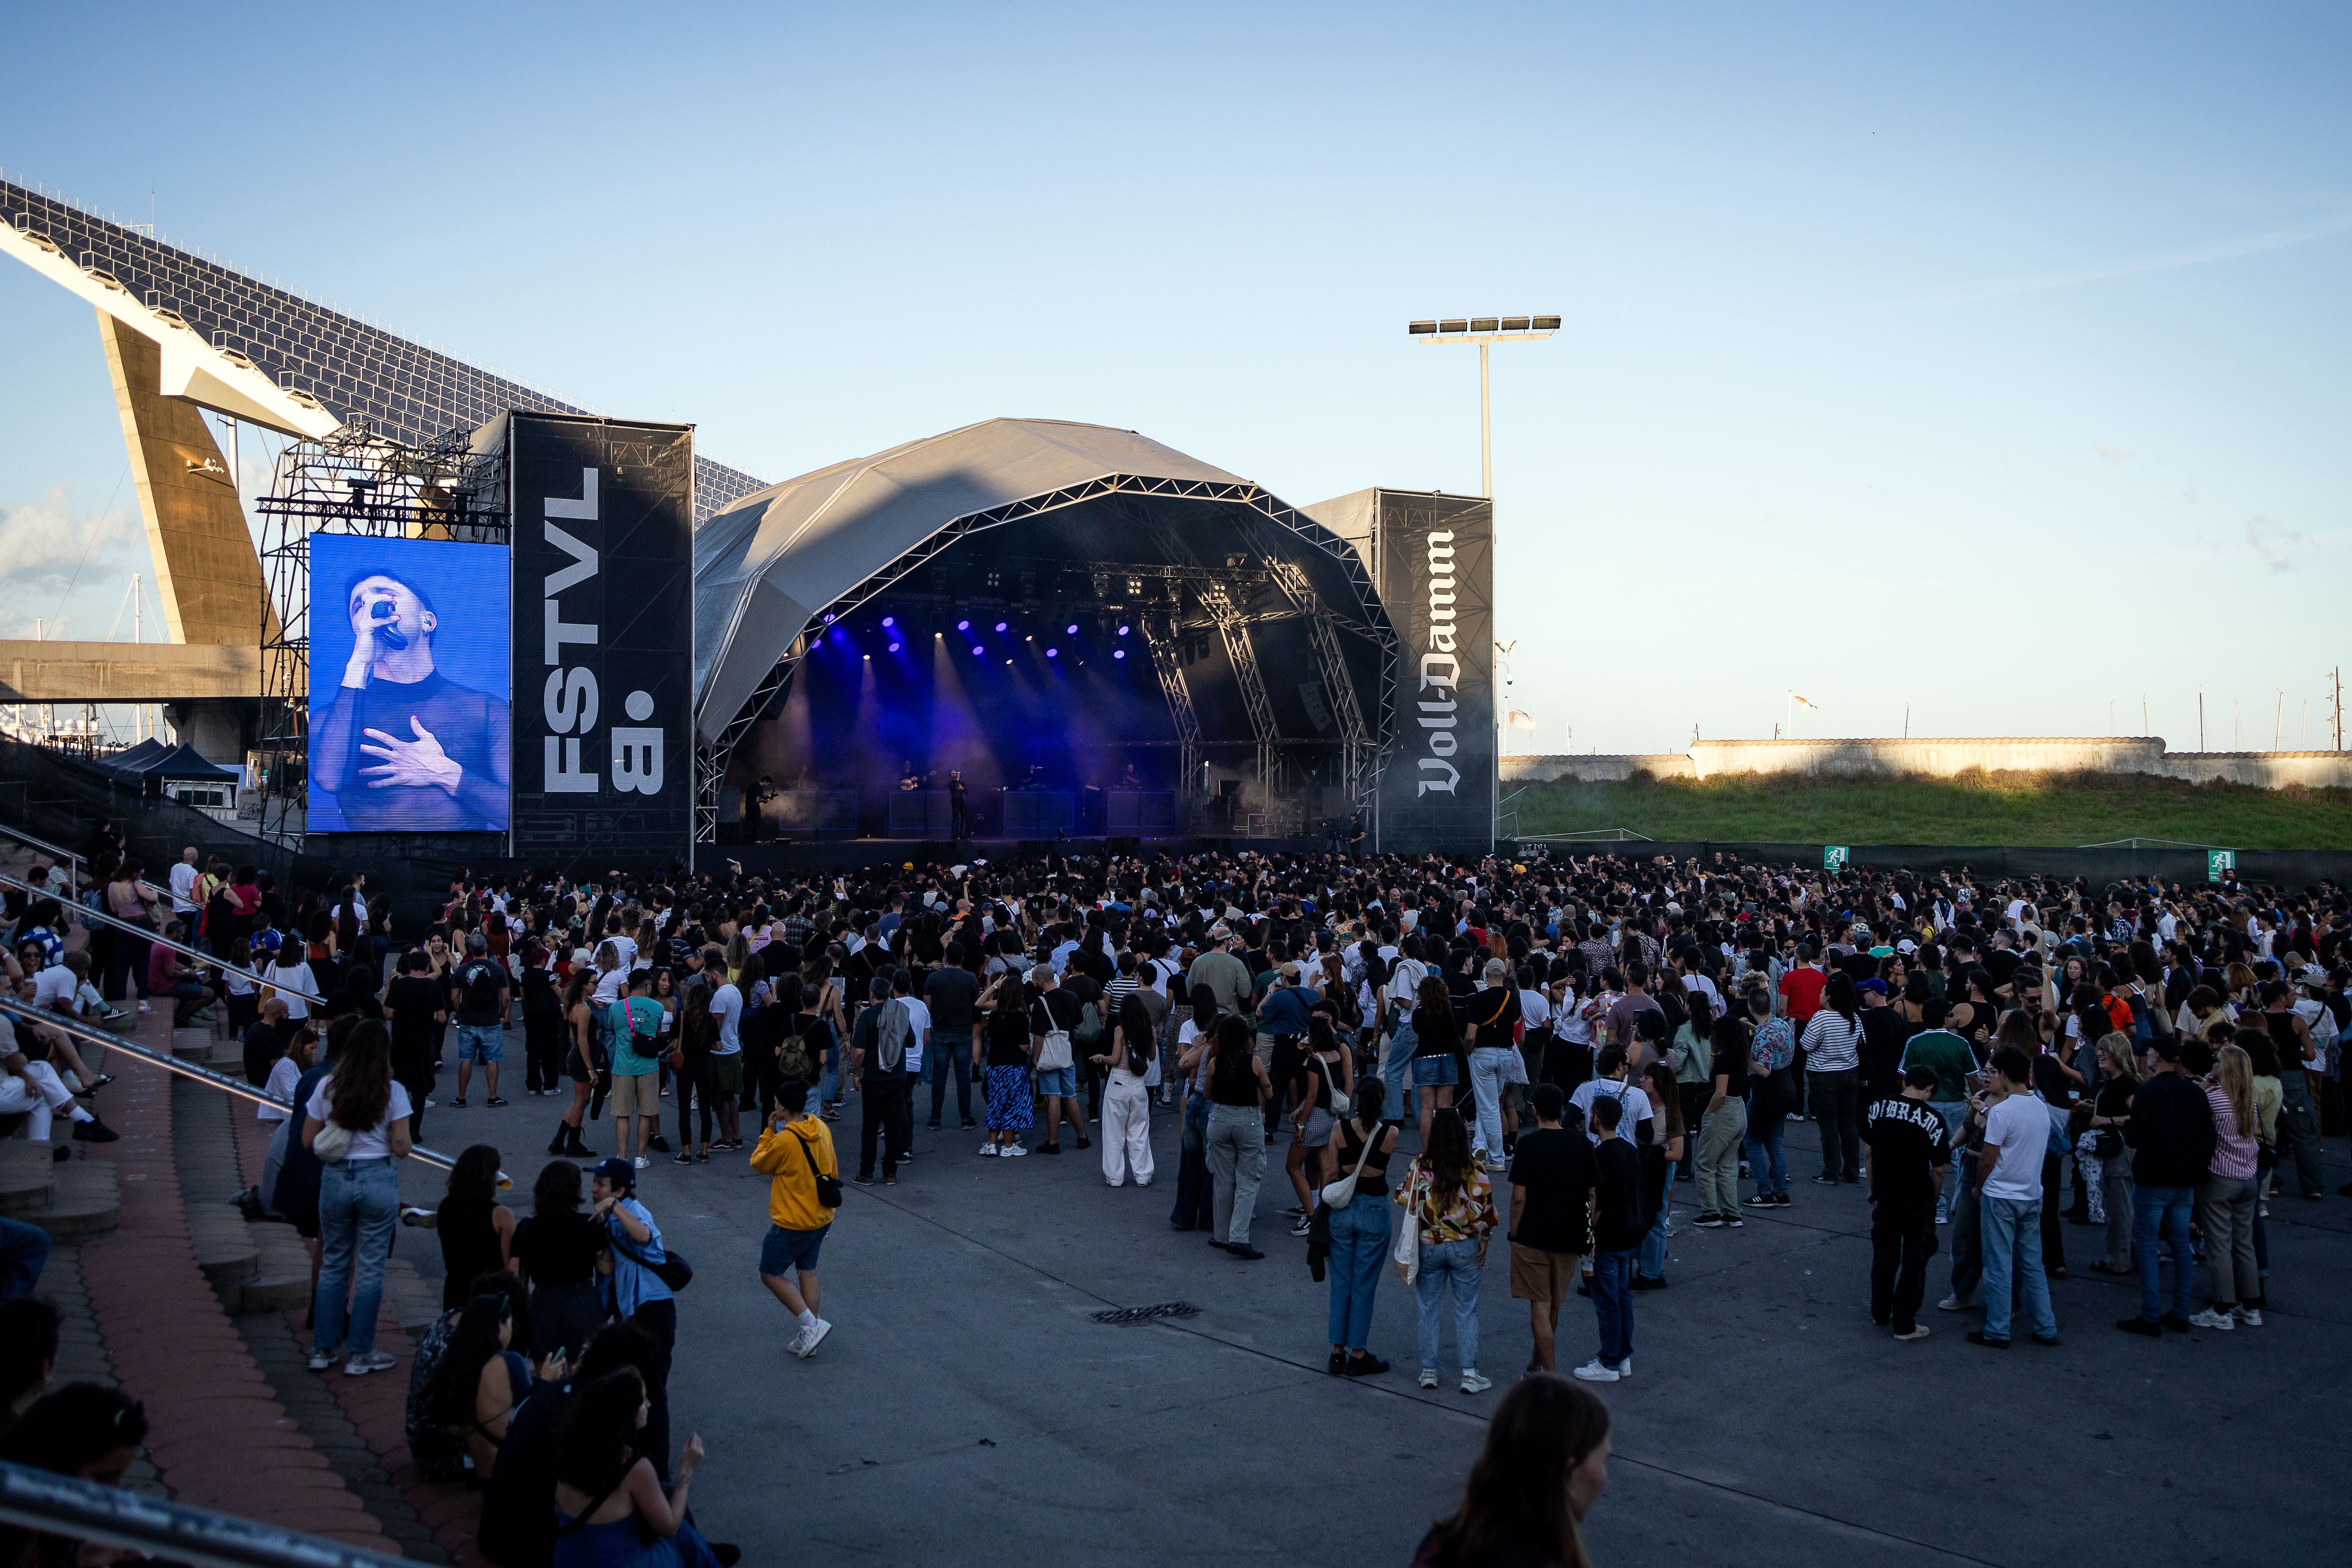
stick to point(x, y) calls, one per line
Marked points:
point(1158, 637)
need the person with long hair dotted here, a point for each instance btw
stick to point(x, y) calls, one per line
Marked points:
point(2119, 1079)
point(608, 1494)
point(1832, 1047)
point(1449, 1196)
point(1238, 1088)
point(358, 1195)
point(1358, 1153)
point(585, 1063)
point(1012, 1109)
point(1325, 1066)
point(1659, 1157)
point(1771, 1096)
point(480, 1381)
point(1195, 1191)
point(475, 1229)
point(1133, 1056)
point(554, 1250)
point(1436, 1047)
point(2226, 1199)
point(1545, 1464)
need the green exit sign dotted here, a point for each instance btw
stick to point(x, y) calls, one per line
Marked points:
point(2220, 863)
point(1833, 857)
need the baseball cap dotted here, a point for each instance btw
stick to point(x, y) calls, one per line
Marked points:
point(618, 1172)
point(1290, 971)
point(1219, 931)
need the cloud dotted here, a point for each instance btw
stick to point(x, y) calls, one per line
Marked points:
point(47, 547)
point(2277, 547)
point(2114, 454)
point(2168, 261)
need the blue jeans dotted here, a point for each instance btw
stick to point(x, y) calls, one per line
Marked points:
point(1613, 1304)
point(359, 1201)
point(1360, 1245)
point(1396, 1069)
point(1486, 1088)
point(484, 1043)
point(1448, 1265)
point(951, 1059)
point(1650, 1261)
point(1767, 1163)
point(828, 1087)
point(2155, 1212)
point(25, 1251)
point(2012, 1240)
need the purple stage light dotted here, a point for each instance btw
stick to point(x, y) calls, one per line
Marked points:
point(963, 626)
point(828, 617)
point(889, 620)
point(1072, 629)
point(1122, 631)
point(1119, 653)
point(977, 650)
point(1001, 626)
point(894, 648)
point(1053, 653)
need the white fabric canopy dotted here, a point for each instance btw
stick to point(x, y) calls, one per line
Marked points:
point(782, 554)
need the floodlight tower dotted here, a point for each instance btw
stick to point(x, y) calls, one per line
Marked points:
point(1484, 330)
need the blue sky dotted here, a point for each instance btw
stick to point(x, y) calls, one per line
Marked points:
point(1991, 361)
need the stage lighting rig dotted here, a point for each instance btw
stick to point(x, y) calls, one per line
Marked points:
point(1484, 331)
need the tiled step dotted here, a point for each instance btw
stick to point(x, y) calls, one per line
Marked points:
point(68, 1198)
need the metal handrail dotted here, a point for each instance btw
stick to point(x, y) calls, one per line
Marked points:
point(90, 1035)
point(46, 847)
point(85, 1511)
point(83, 912)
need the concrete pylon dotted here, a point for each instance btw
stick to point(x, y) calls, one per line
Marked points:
point(207, 573)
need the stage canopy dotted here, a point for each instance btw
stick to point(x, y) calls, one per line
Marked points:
point(1204, 559)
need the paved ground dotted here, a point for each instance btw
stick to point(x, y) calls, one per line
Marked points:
point(967, 1410)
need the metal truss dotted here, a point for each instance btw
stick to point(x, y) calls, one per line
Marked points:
point(1243, 655)
point(1158, 636)
point(1364, 617)
point(1339, 689)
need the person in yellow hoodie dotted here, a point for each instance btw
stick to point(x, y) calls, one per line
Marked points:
point(796, 1153)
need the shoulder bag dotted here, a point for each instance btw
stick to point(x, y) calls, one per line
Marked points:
point(828, 1188)
point(1341, 1104)
point(1405, 1252)
point(1340, 1191)
point(331, 1143)
point(1055, 1054)
point(672, 1271)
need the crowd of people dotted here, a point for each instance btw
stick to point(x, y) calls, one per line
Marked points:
point(1443, 1049)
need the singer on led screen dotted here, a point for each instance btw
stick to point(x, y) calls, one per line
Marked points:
point(399, 745)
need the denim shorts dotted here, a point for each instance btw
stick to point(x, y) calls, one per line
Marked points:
point(1432, 1072)
point(1058, 1080)
point(481, 1042)
point(792, 1250)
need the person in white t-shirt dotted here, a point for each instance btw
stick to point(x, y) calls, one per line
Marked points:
point(183, 882)
point(2010, 1198)
point(1612, 1081)
point(358, 1195)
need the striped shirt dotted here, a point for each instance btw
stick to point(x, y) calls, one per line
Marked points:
point(1832, 1044)
point(2233, 1151)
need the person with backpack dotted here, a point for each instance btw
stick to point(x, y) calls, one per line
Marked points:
point(877, 1071)
point(795, 1152)
point(643, 1284)
point(636, 1101)
point(484, 992)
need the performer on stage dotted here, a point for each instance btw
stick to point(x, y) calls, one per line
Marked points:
point(908, 777)
point(958, 816)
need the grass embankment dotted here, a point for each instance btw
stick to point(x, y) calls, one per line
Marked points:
point(1977, 808)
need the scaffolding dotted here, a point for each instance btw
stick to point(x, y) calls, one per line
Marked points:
point(358, 482)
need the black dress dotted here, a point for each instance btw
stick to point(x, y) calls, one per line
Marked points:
point(558, 1254)
point(469, 1247)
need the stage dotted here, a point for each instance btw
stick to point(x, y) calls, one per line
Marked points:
point(884, 854)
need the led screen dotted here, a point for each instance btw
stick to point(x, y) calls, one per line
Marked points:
point(409, 685)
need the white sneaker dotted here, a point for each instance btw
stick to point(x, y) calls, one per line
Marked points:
point(2250, 1316)
point(320, 1360)
point(1473, 1383)
point(804, 1343)
point(1428, 1377)
point(143, 1008)
point(643, 1164)
point(1625, 1370)
point(374, 1361)
point(1015, 1152)
point(988, 1151)
point(2210, 1318)
point(1594, 1371)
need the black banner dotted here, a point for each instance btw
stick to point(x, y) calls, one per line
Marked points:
point(1436, 556)
point(603, 640)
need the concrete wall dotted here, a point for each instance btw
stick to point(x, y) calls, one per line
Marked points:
point(1595, 769)
point(1942, 758)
